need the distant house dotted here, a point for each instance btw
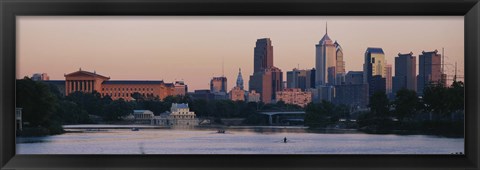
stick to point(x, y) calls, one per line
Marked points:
point(178, 116)
point(141, 116)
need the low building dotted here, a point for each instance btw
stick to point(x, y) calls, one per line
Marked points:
point(40, 77)
point(180, 88)
point(294, 96)
point(179, 116)
point(237, 94)
point(202, 95)
point(142, 116)
point(253, 96)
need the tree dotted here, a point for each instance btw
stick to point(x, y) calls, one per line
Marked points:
point(90, 102)
point(70, 113)
point(456, 96)
point(37, 101)
point(320, 114)
point(435, 100)
point(39, 106)
point(406, 102)
point(379, 105)
point(117, 109)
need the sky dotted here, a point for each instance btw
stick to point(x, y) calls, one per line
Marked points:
point(197, 48)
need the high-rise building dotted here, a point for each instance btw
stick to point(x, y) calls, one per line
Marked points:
point(429, 70)
point(354, 77)
point(292, 78)
point(301, 79)
point(263, 55)
point(340, 67)
point(374, 65)
point(388, 79)
point(326, 60)
point(218, 84)
point(353, 95)
point(266, 79)
point(310, 79)
point(405, 72)
point(353, 92)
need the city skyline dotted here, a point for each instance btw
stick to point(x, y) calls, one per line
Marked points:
point(136, 48)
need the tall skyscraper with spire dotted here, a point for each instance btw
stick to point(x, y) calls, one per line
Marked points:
point(329, 62)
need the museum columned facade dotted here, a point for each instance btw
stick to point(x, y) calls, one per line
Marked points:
point(88, 82)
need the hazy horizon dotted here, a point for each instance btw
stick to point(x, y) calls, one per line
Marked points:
point(193, 48)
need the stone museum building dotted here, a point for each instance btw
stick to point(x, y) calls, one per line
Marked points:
point(85, 81)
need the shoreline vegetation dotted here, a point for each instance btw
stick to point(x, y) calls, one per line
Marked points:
point(440, 111)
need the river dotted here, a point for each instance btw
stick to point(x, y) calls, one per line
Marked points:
point(235, 141)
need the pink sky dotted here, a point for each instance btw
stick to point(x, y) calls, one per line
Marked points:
point(191, 48)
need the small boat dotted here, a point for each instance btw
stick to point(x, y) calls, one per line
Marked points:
point(135, 129)
point(221, 131)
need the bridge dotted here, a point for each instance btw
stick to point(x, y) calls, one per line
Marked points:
point(287, 113)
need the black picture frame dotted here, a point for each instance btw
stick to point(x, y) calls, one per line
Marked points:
point(9, 9)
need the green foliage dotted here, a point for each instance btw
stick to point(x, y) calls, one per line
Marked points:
point(70, 113)
point(39, 106)
point(406, 103)
point(117, 109)
point(379, 105)
point(37, 101)
point(90, 102)
point(442, 101)
point(324, 114)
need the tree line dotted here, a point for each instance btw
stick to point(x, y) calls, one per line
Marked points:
point(45, 109)
point(439, 110)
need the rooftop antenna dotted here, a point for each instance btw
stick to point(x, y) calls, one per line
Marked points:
point(326, 27)
point(443, 60)
point(455, 76)
point(223, 63)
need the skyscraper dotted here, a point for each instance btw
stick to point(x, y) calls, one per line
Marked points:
point(429, 69)
point(218, 84)
point(405, 72)
point(325, 61)
point(263, 55)
point(374, 66)
point(266, 79)
point(299, 79)
point(388, 79)
point(354, 77)
point(340, 67)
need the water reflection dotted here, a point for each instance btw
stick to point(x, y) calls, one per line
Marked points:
point(236, 141)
